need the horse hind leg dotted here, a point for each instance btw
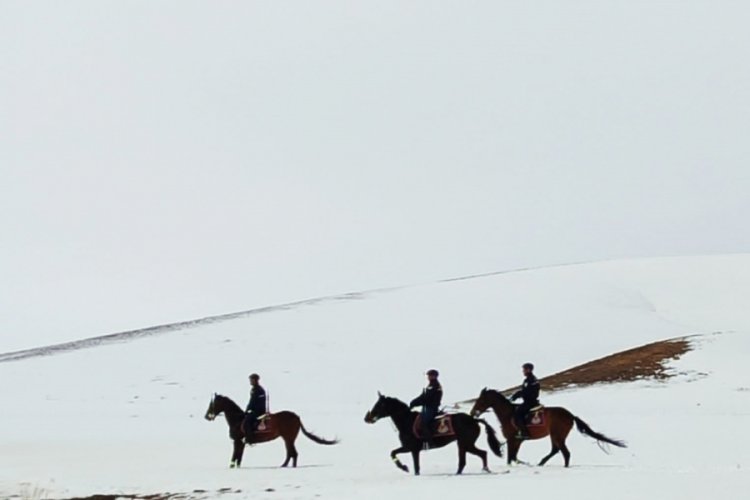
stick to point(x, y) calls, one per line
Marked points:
point(291, 453)
point(481, 454)
point(566, 453)
point(555, 451)
point(461, 459)
point(295, 455)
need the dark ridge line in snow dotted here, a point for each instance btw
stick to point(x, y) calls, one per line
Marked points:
point(515, 270)
point(120, 337)
point(150, 331)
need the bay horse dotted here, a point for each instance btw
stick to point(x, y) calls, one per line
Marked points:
point(557, 424)
point(283, 424)
point(466, 431)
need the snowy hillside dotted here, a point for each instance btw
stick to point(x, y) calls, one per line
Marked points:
point(128, 417)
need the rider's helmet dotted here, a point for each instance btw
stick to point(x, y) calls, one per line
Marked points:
point(528, 366)
point(433, 373)
point(254, 376)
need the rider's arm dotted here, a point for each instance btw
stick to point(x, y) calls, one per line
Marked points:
point(418, 401)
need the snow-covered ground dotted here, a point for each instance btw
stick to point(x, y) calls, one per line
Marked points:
point(128, 417)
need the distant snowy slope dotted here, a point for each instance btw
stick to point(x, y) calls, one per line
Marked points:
point(128, 416)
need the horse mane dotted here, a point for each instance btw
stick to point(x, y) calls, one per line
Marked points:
point(397, 402)
point(499, 394)
point(234, 407)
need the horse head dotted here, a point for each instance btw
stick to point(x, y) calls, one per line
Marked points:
point(212, 412)
point(482, 403)
point(386, 407)
point(378, 410)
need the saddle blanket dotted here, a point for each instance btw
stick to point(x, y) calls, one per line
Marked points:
point(442, 427)
point(535, 417)
point(264, 423)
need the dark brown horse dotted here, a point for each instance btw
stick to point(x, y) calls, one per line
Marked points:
point(557, 424)
point(284, 424)
point(465, 431)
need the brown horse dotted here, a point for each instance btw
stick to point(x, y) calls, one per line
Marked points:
point(556, 423)
point(284, 424)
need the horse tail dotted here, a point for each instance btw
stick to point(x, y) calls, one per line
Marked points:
point(586, 430)
point(317, 439)
point(495, 445)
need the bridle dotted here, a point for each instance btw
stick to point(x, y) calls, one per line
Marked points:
point(211, 415)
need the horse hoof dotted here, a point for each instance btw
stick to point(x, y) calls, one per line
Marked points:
point(487, 470)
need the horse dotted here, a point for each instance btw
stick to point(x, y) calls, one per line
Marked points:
point(556, 423)
point(284, 424)
point(465, 431)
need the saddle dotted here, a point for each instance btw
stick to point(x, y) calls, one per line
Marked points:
point(441, 427)
point(263, 424)
point(535, 416)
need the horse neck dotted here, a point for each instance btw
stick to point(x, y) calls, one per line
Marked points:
point(401, 418)
point(232, 412)
point(502, 408)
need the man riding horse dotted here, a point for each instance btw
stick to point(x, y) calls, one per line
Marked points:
point(529, 392)
point(429, 400)
point(256, 408)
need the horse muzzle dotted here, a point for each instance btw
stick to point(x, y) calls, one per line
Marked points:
point(370, 418)
point(210, 416)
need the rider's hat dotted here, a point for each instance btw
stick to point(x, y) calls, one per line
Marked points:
point(529, 366)
point(254, 376)
point(433, 373)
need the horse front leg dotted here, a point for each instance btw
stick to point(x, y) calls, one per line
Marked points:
point(239, 449)
point(394, 457)
point(415, 458)
point(514, 445)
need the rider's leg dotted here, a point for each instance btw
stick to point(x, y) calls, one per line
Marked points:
point(248, 426)
point(428, 418)
point(520, 416)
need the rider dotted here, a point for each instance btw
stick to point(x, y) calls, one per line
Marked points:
point(529, 392)
point(429, 400)
point(255, 408)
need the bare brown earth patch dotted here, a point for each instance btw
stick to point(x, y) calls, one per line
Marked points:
point(165, 496)
point(641, 363)
point(157, 496)
point(645, 362)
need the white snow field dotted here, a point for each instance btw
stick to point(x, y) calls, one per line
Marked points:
point(128, 417)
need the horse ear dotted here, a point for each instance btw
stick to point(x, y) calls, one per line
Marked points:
point(379, 394)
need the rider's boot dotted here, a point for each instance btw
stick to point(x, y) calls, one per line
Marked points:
point(428, 440)
point(523, 431)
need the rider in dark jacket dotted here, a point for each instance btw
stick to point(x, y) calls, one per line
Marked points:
point(429, 400)
point(529, 392)
point(255, 408)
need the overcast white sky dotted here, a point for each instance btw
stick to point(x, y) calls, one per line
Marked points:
point(167, 160)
